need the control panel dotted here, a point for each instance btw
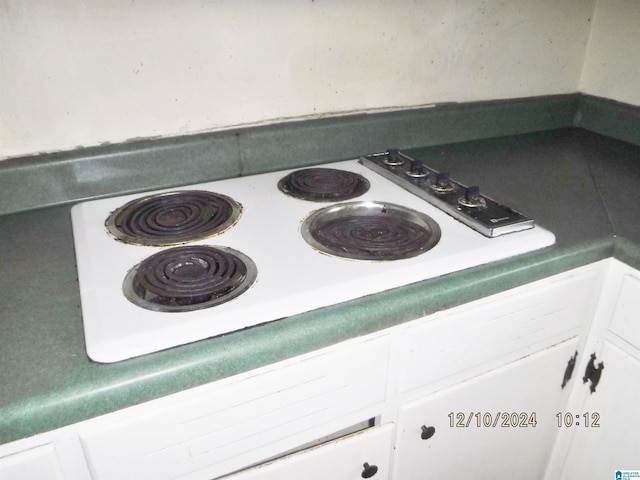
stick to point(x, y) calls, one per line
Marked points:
point(467, 204)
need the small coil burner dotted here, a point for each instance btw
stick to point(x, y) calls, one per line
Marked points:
point(370, 231)
point(323, 184)
point(193, 277)
point(173, 218)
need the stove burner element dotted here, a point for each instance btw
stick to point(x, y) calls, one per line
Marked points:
point(370, 231)
point(173, 218)
point(189, 278)
point(323, 184)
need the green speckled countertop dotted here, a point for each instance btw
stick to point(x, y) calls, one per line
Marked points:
point(573, 182)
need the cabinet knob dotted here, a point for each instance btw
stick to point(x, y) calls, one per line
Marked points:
point(369, 470)
point(427, 432)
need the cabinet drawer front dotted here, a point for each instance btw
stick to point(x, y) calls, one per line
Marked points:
point(341, 459)
point(481, 335)
point(211, 431)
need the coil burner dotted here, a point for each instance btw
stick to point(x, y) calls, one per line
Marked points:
point(323, 184)
point(173, 218)
point(193, 277)
point(370, 231)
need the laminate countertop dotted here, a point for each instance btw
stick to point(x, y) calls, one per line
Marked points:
point(578, 184)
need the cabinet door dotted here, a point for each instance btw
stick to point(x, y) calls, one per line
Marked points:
point(360, 455)
point(498, 425)
point(612, 443)
point(34, 464)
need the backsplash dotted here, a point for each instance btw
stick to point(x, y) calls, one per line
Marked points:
point(81, 73)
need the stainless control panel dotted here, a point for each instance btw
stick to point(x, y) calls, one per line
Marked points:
point(464, 203)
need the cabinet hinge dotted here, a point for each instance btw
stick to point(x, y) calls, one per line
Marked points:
point(569, 370)
point(592, 372)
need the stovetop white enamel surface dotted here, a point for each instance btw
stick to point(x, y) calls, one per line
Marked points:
point(292, 276)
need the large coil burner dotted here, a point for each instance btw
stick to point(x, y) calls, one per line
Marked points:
point(173, 218)
point(323, 184)
point(193, 277)
point(370, 231)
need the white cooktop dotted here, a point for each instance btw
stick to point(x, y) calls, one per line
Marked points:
point(292, 276)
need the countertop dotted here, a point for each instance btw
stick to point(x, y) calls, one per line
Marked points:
point(578, 184)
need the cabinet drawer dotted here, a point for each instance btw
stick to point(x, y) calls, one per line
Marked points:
point(342, 459)
point(220, 428)
point(483, 334)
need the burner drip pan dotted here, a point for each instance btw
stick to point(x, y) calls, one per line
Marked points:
point(193, 277)
point(323, 184)
point(370, 231)
point(173, 218)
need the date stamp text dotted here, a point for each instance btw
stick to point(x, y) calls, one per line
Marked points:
point(492, 419)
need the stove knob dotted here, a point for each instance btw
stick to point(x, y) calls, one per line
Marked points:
point(443, 180)
point(472, 198)
point(417, 169)
point(473, 194)
point(393, 157)
point(442, 183)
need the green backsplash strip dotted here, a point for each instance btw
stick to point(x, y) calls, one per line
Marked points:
point(55, 179)
point(66, 177)
point(296, 144)
point(608, 117)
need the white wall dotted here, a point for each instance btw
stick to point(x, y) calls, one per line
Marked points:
point(612, 66)
point(82, 72)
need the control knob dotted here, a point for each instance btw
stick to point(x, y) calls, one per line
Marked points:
point(417, 169)
point(472, 198)
point(443, 183)
point(393, 158)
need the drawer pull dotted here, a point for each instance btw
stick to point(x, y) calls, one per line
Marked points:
point(427, 432)
point(369, 470)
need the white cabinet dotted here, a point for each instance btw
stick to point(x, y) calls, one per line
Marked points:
point(610, 439)
point(364, 454)
point(221, 428)
point(600, 430)
point(494, 366)
point(33, 464)
point(459, 343)
point(55, 455)
point(498, 425)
